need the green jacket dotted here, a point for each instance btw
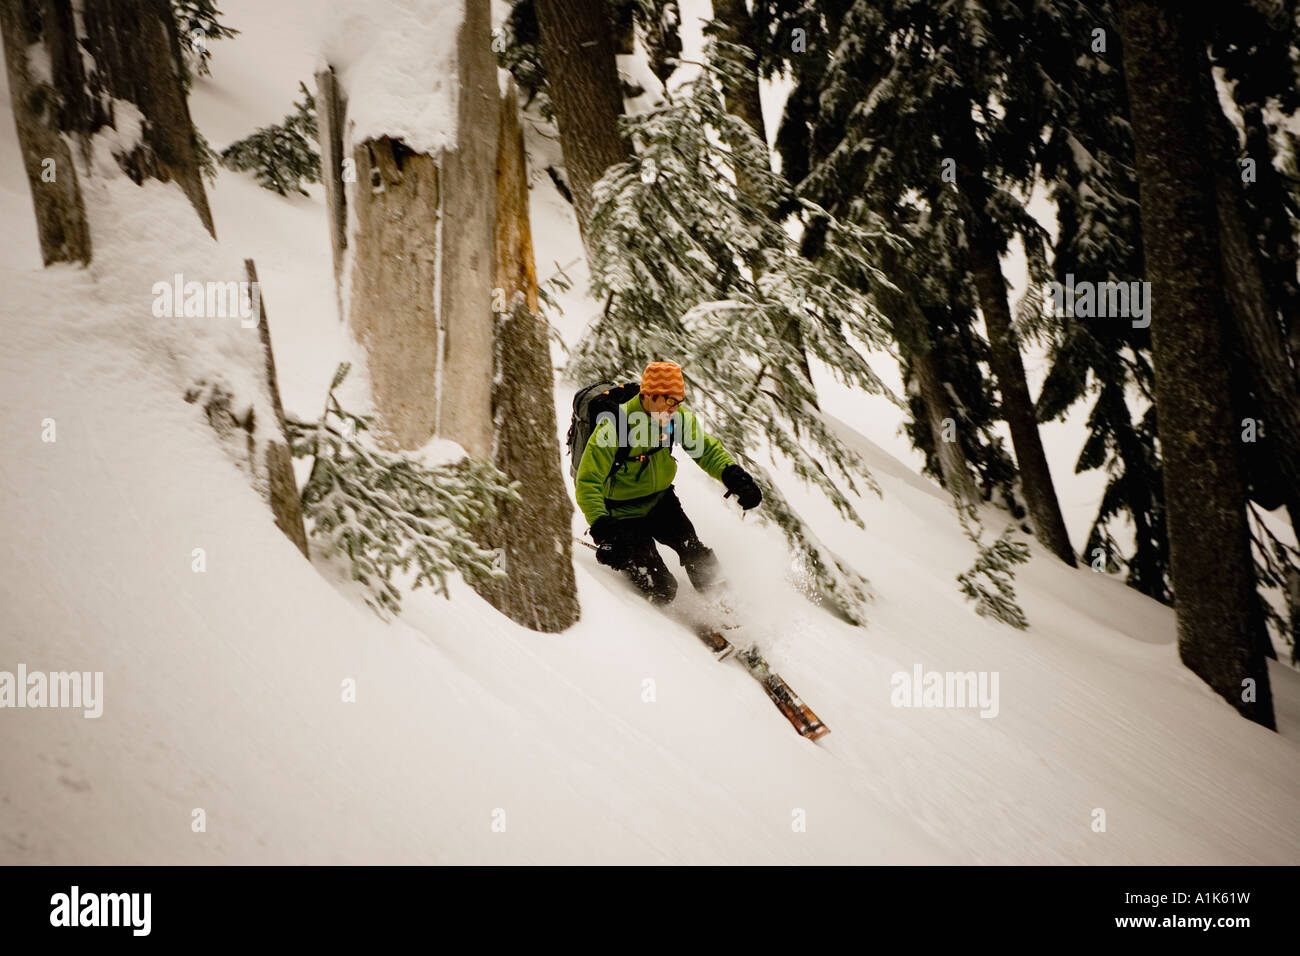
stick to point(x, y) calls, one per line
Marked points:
point(633, 480)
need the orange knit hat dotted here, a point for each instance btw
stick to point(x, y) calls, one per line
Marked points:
point(663, 378)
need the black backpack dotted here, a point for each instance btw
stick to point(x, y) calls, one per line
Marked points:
point(588, 404)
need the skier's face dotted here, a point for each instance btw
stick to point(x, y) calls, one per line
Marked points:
point(660, 407)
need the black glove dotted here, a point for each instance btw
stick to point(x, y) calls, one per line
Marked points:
point(740, 484)
point(606, 530)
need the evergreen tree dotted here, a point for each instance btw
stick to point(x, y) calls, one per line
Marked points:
point(659, 27)
point(1087, 161)
point(281, 155)
point(1218, 621)
point(655, 22)
point(577, 48)
point(796, 39)
point(800, 41)
point(1257, 45)
point(690, 267)
point(814, 44)
point(961, 355)
point(205, 156)
point(963, 74)
point(1258, 49)
point(520, 53)
point(943, 297)
point(388, 512)
point(736, 37)
point(1277, 580)
point(197, 26)
point(988, 582)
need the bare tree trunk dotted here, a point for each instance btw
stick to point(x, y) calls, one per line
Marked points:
point(535, 534)
point(56, 194)
point(1258, 309)
point(97, 55)
point(282, 486)
point(733, 24)
point(468, 209)
point(1204, 488)
point(941, 418)
point(514, 269)
point(912, 332)
point(331, 108)
point(1251, 307)
point(939, 413)
point(394, 267)
point(1017, 405)
point(421, 265)
point(582, 79)
point(984, 244)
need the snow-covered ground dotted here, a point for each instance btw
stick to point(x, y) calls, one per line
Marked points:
point(473, 740)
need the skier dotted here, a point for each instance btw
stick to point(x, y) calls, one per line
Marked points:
point(629, 500)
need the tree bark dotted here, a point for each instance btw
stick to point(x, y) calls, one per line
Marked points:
point(52, 175)
point(1260, 310)
point(912, 332)
point(939, 414)
point(582, 79)
point(394, 309)
point(282, 486)
point(468, 209)
point(421, 265)
point(733, 24)
point(1149, 537)
point(984, 244)
point(1252, 309)
point(1017, 405)
point(1205, 490)
point(331, 107)
point(539, 591)
point(939, 411)
point(97, 56)
point(514, 269)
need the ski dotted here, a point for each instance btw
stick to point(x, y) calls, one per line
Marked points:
point(800, 715)
point(716, 643)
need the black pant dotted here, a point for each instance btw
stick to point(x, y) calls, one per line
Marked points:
point(636, 555)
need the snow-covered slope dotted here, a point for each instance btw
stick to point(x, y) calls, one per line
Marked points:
point(474, 740)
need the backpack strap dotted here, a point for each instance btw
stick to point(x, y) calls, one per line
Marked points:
point(620, 459)
point(624, 453)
